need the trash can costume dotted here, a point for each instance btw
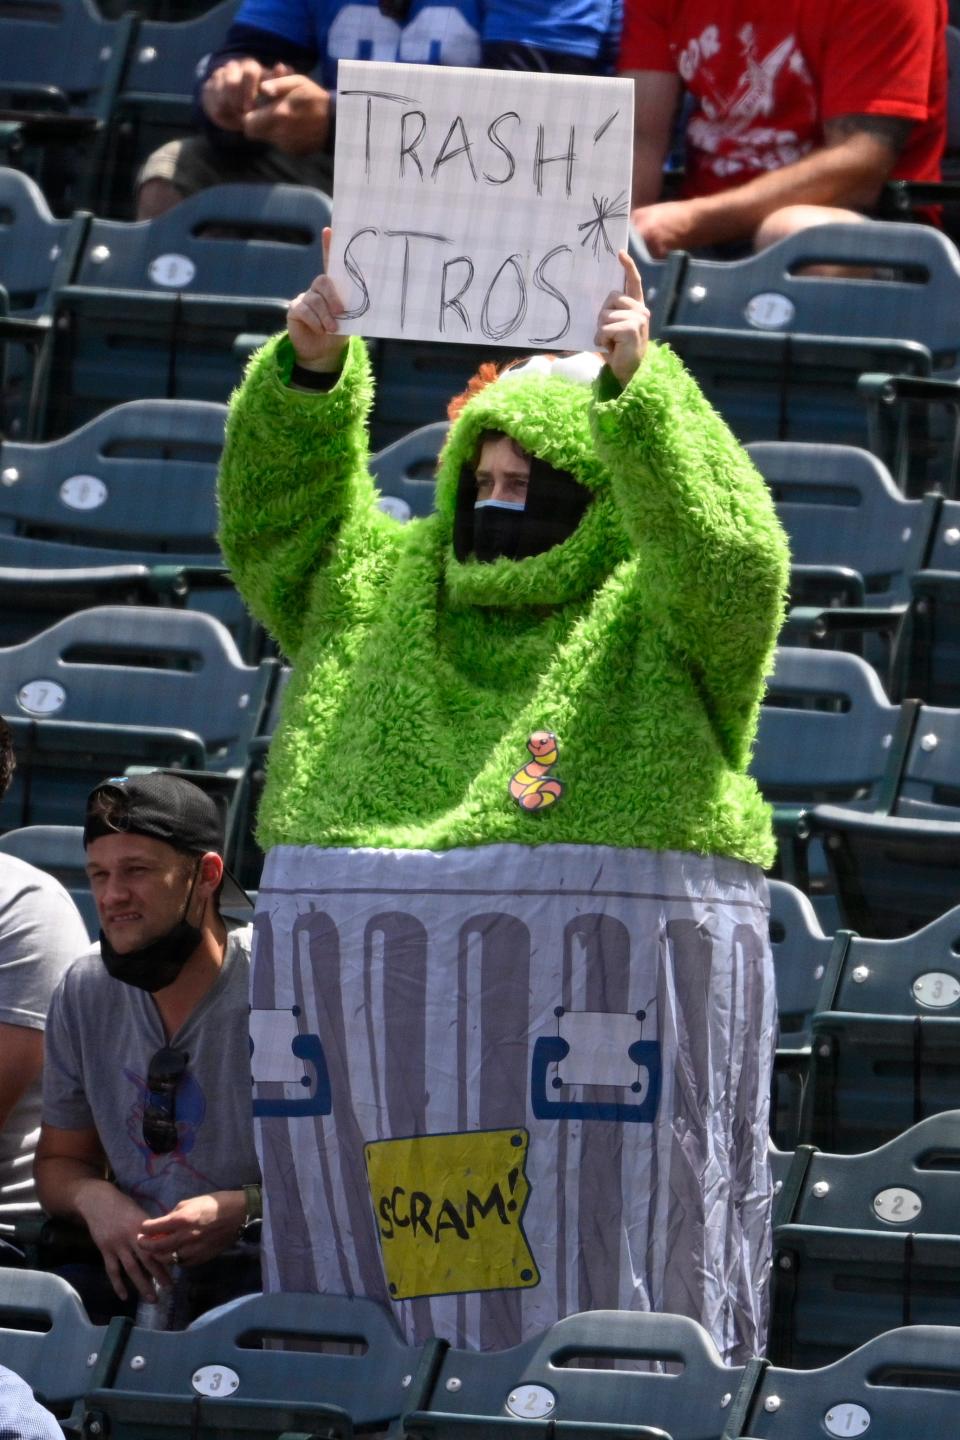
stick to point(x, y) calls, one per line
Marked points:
point(512, 906)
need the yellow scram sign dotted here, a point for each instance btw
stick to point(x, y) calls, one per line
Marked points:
point(449, 1212)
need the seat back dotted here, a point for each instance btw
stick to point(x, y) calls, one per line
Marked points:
point(263, 1365)
point(158, 305)
point(930, 786)
point(769, 293)
point(801, 952)
point(865, 1242)
point(839, 506)
point(605, 1368)
point(913, 975)
point(63, 46)
point(122, 685)
point(32, 242)
point(903, 1382)
point(405, 471)
point(168, 53)
point(141, 477)
point(46, 1338)
point(252, 241)
point(779, 351)
point(825, 730)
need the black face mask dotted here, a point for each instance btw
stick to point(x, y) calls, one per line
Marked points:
point(158, 963)
point(497, 531)
point(555, 506)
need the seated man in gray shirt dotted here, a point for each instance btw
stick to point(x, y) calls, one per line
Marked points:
point(40, 933)
point(147, 1064)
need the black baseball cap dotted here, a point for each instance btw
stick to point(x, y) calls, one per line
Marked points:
point(165, 807)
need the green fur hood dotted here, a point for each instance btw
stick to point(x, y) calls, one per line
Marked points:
point(641, 641)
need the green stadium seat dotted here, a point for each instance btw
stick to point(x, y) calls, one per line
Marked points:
point(885, 1037)
point(156, 306)
point(114, 687)
point(779, 351)
point(264, 1366)
point(863, 1243)
point(904, 1382)
point(603, 1373)
point(46, 1338)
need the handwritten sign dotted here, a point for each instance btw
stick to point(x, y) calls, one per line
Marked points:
point(449, 1210)
point(479, 206)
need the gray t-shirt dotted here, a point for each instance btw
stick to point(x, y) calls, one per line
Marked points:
point(41, 932)
point(100, 1036)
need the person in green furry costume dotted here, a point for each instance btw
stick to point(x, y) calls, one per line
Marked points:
point(592, 703)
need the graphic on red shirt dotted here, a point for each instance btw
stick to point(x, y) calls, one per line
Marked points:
point(765, 77)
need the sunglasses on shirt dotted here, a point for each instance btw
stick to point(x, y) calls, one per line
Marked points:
point(164, 1074)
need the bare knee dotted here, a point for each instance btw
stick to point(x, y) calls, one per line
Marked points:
point(155, 197)
point(791, 218)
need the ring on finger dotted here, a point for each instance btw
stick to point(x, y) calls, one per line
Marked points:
point(175, 1256)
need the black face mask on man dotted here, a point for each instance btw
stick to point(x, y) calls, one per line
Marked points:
point(157, 964)
point(506, 529)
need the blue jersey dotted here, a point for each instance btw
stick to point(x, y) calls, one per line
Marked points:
point(589, 28)
point(431, 34)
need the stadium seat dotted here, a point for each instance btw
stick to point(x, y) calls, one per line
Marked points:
point(60, 68)
point(46, 1338)
point(37, 254)
point(58, 849)
point(841, 509)
point(156, 305)
point(863, 1243)
point(779, 351)
point(931, 654)
point(154, 102)
point(604, 1373)
point(801, 953)
point(826, 732)
point(141, 476)
point(405, 471)
point(118, 686)
point(264, 1366)
point(885, 1036)
point(913, 425)
point(897, 870)
point(902, 1383)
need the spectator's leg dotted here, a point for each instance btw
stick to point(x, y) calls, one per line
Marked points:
point(792, 218)
point(182, 167)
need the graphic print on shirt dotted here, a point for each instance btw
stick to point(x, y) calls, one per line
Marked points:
point(436, 35)
point(728, 130)
point(191, 1109)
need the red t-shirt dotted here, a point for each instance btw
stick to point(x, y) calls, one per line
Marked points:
point(766, 74)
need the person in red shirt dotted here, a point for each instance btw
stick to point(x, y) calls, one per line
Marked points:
point(801, 110)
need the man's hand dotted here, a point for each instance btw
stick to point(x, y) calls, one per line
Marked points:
point(233, 90)
point(115, 1222)
point(194, 1230)
point(312, 321)
point(292, 113)
point(623, 325)
point(670, 225)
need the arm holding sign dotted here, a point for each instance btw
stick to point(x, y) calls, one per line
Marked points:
point(296, 500)
point(714, 557)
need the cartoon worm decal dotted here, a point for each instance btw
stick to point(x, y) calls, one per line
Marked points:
point(528, 787)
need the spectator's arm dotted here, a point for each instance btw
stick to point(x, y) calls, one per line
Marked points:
point(21, 1056)
point(850, 169)
point(249, 51)
point(70, 1171)
point(656, 95)
point(196, 1229)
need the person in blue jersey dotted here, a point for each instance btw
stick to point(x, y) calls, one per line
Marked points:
point(265, 101)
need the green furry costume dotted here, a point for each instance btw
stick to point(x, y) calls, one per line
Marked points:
point(641, 641)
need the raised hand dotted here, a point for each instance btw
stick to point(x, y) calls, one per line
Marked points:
point(312, 321)
point(623, 325)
